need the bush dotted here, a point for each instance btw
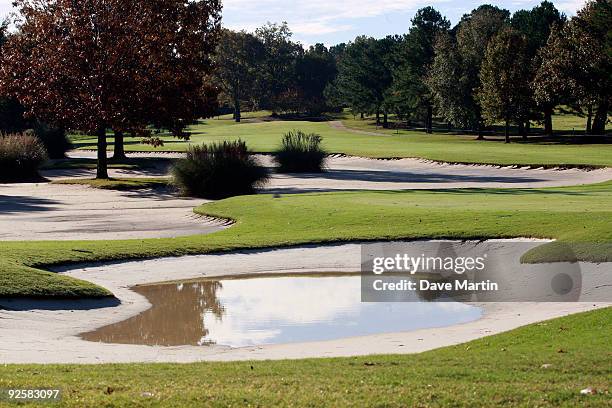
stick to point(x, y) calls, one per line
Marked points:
point(20, 156)
point(300, 153)
point(218, 170)
point(53, 139)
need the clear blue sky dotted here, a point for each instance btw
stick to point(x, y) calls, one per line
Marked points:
point(335, 21)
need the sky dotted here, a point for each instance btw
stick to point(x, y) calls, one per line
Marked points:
point(335, 21)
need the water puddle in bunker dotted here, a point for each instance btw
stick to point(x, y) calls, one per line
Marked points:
point(271, 309)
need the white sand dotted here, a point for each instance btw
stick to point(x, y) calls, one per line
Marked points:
point(65, 212)
point(33, 335)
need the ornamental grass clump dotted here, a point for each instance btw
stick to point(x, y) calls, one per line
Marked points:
point(218, 170)
point(300, 153)
point(20, 157)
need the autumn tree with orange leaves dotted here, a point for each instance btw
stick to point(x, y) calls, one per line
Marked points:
point(95, 65)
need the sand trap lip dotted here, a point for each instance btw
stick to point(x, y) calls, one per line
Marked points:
point(28, 336)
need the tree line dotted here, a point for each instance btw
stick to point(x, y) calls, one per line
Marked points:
point(267, 70)
point(491, 67)
point(132, 67)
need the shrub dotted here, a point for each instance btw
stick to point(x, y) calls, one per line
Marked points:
point(20, 156)
point(54, 140)
point(300, 153)
point(218, 170)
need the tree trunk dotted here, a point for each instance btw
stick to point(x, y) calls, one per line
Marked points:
point(361, 115)
point(119, 150)
point(527, 129)
point(237, 116)
point(479, 129)
point(102, 168)
point(589, 116)
point(521, 129)
point(385, 120)
point(507, 131)
point(429, 119)
point(377, 117)
point(601, 117)
point(548, 126)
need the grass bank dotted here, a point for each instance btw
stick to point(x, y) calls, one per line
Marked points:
point(580, 216)
point(544, 365)
point(265, 137)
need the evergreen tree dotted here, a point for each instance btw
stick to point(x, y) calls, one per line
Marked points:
point(536, 25)
point(576, 64)
point(504, 92)
point(415, 55)
point(466, 50)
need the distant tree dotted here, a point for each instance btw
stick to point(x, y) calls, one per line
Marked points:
point(365, 75)
point(504, 92)
point(576, 64)
point(414, 58)
point(94, 65)
point(449, 87)
point(454, 75)
point(315, 69)
point(536, 25)
point(277, 74)
point(333, 97)
point(473, 34)
point(237, 64)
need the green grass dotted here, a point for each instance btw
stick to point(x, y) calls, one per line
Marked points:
point(141, 183)
point(580, 216)
point(265, 137)
point(500, 370)
point(264, 114)
point(564, 121)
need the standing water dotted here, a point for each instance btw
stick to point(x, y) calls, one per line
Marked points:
point(269, 310)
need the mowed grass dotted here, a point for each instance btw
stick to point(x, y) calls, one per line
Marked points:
point(564, 122)
point(502, 370)
point(580, 216)
point(137, 183)
point(265, 137)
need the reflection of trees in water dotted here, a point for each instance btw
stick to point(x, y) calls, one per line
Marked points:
point(176, 317)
